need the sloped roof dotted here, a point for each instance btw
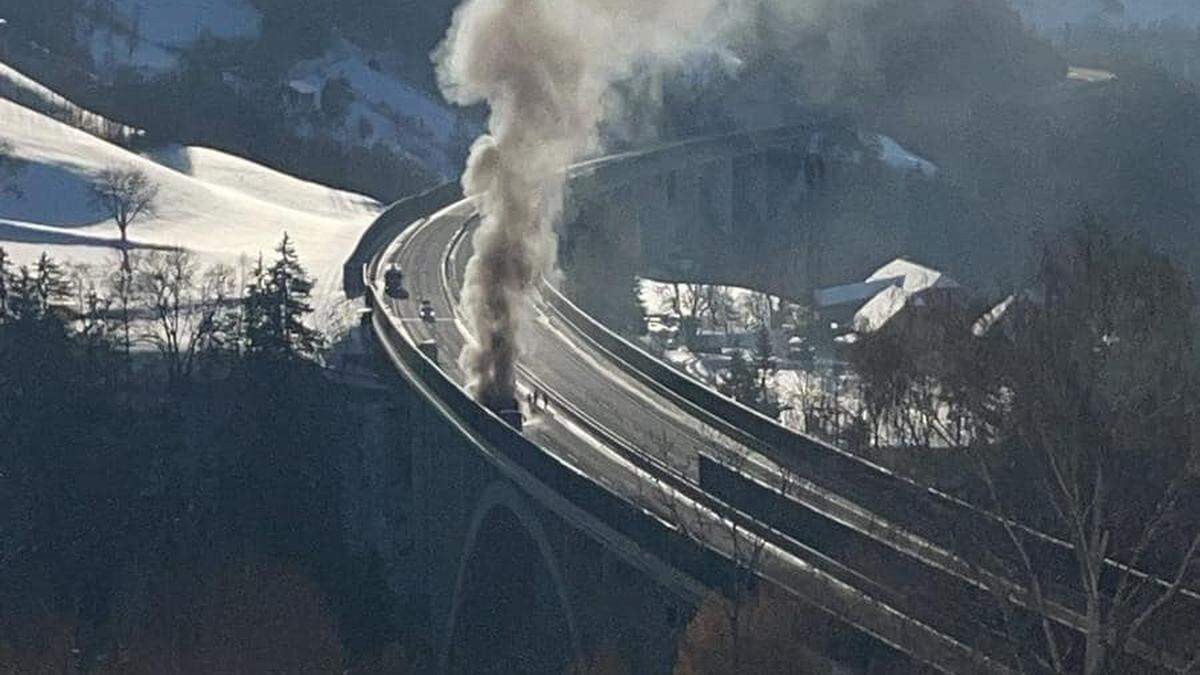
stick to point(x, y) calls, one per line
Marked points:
point(916, 278)
point(887, 291)
point(880, 309)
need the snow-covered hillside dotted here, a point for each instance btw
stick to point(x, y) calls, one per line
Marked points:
point(149, 34)
point(152, 37)
point(221, 207)
point(16, 86)
point(386, 109)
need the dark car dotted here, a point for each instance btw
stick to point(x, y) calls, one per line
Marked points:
point(427, 313)
point(393, 283)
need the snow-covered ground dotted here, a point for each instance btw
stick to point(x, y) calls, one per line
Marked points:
point(743, 307)
point(16, 86)
point(387, 109)
point(163, 29)
point(223, 208)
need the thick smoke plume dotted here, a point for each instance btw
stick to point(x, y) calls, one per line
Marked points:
point(545, 68)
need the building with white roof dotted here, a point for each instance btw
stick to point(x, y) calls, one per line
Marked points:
point(869, 305)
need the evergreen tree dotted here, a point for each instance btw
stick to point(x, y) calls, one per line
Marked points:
point(23, 299)
point(50, 283)
point(275, 306)
point(254, 309)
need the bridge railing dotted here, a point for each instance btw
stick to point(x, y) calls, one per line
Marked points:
point(388, 226)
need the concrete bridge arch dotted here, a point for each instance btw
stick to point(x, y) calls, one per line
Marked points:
point(511, 603)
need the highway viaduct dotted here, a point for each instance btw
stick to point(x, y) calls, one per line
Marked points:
point(605, 523)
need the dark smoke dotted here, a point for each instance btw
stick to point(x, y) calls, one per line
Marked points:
point(546, 69)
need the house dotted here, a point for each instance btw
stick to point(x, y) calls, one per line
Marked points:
point(302, 96)
point(869, 305)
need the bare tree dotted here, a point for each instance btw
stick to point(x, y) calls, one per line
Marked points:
point(1091, 412)
point(5, 281)
point(126, 195)
point(184, 306)
point(727, 531)
point(91, 307)
point(762, 308)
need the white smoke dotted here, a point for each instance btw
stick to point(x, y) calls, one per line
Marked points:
point(546, 69)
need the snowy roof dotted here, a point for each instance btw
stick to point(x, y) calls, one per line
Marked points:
point(896, 285)
point(984, 324)
point(916, 278)
point(303, 87)
point(880, 309)
point(908, 275)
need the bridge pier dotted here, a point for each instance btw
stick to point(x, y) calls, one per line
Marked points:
point(477, 562)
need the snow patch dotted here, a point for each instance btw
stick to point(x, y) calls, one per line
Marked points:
point(224, 209)
point(896, 156)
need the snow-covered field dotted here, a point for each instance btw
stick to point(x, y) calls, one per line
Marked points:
point(223, 208)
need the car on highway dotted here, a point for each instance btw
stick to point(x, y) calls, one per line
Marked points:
point(393, 282)
point(426, 312)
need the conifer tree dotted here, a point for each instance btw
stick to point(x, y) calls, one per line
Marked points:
point(30, 294)
point(22, 299)
point(275, 307)
point(50, 283)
